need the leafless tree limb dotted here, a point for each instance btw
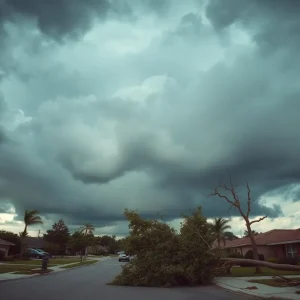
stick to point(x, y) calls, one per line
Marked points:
point(248, 200)
point(216, 193)
point(258, 220)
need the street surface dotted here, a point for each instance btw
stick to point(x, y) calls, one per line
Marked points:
point(90, 283)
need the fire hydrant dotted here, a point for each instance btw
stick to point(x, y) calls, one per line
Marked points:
point(45, 263)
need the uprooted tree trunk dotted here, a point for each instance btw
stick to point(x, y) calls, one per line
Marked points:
point(237, 261)
point(235, 202)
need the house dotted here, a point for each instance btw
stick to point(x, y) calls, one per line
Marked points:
point(35, 243)
point(275, 243)
point(97, 249)
point(4, 246)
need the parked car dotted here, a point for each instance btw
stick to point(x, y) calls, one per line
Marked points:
point(44, 252)
point(34, 253)
point(124, 257)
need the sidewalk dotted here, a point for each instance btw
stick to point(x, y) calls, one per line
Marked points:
point(242, 285)
point(59, 268)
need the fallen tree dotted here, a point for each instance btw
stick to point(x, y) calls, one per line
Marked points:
point(166, 258)
point(236, 261)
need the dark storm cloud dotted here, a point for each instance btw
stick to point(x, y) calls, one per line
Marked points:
point(275, 23)
point(3, 137)
point(87, 155)
point(72, 18)
point(56, 18)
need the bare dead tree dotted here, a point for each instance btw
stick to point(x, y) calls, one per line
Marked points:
point(234, 201)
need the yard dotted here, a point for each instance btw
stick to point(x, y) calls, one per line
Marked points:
point(250, 271)
point(6, 268)
point(51, 262)
point(272, 282)
point(30, 266)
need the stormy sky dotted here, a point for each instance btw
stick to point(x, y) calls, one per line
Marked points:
point(149, 105)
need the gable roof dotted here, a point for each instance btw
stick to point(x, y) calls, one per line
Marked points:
point(272, 237)
point(5, 243)
point(34, 242)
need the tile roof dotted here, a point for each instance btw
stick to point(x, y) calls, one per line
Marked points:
point(270, 237)
point(5, 243)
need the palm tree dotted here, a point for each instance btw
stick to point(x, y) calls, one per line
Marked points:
point(219, 227)
point(228, 235)
point(31, 217)
point(87, 229)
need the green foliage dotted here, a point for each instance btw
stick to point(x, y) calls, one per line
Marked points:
point(52, 248)
point(31, 217)
point(219, 228)
point(79, 241)
point(273, 260)
point(87, 229)
point(109, 242)
point(229, 236)
point(167, 258)
point(59, 235)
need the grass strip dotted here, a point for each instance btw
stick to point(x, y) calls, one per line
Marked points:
point(84, 263)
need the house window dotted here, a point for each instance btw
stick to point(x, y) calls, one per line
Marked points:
point(291, 250)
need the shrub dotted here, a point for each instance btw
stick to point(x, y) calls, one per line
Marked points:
point(2, 255)
point(273, 260)
point(165, 258)
point(288, 261)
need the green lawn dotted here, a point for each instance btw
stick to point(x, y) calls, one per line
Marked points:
point(272, 282)
point(84, 263)
point(51, 262)
point(14, 268)
point(250, 271)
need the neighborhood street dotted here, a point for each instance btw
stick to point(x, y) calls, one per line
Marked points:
point(89, 283)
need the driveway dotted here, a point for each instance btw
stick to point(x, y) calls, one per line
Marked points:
point(89, 283)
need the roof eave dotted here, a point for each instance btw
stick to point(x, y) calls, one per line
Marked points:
point(283, 243)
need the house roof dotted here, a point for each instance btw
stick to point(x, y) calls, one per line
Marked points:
point(275, 236)
point(98, 248)
point(34, 242)
point(5, 243)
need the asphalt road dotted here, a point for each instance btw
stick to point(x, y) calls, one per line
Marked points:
point(90, 283)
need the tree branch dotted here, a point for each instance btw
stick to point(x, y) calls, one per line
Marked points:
point(258, 220)
point(216, 193)
point(248, 200)
point(261, 263)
